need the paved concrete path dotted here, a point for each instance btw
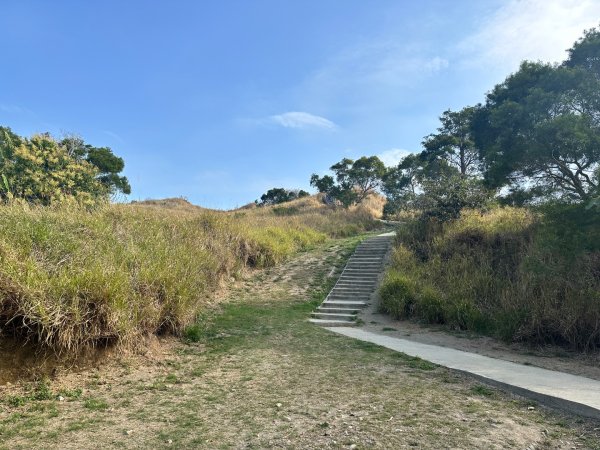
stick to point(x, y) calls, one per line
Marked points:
point(573, 393)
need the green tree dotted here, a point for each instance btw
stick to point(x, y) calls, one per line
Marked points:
point(453, 143)
point(108, 164)
point(280, 195)
point(445, 198)
point(401, 184)
point(354, 180)
point(41, 170)
point(540, 127)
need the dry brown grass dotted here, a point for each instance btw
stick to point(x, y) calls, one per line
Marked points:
point(71, 277)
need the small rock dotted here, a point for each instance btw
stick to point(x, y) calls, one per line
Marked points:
point(353, 446)
point(289, 419)
point(531, 408)
point(129, 432)
point(60, 398)
point(170, 441)
point(279, 405)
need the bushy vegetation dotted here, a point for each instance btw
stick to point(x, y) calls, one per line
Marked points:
point(275, 196)
point(354, 181)
point(71, 277)
point(528, 273)
point(514, 273)
point(44, 170)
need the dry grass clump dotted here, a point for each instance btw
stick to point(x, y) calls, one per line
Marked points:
point(509, 272)
point(313, 213)
point(71, 277)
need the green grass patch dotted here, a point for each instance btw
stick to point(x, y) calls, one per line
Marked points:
point(95, 404)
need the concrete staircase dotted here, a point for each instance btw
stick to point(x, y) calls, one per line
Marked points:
point(356, 284)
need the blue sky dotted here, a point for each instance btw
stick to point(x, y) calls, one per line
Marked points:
point(218, 101)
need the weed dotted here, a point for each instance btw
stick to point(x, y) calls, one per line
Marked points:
point(95, 404)
point(482, 390)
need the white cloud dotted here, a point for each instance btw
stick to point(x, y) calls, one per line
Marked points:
point(436, 64)
point(14, 109)
point(385, 62)
point(298, 119)
point(393, 156)
point(529, 29)
point(114, 135)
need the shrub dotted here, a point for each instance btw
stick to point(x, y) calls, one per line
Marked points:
point(510, 272)
point(398, 295)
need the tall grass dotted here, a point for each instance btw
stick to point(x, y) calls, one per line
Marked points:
point(71, 277)
point(509, 272)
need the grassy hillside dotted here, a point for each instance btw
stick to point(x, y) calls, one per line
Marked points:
point(511, 272)
point(69, 277)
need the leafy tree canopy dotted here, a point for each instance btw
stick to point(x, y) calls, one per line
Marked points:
point(108, 164)
point(354, 180)
point(453, 144)
point(280, 195)
point(43, 170)
point(540, 128)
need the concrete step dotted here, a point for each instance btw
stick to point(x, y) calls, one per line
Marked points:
point(361, 258)
point(337, 310)
point(347, 299)
point(355, 282)
point(353, 296)
point(372, 247)
point(344, 304)
point(361, 272)
point(335, 316)
point(358, 280)
point(332, 323)
point(358, 276)
point(377, 261)
point(352, 289)
point(355, 286)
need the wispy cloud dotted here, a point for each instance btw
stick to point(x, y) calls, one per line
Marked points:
point(385, 62)
point(528, 29)
point(393, 156)
point(14, 109)
point(114, 135)
point(299, 119)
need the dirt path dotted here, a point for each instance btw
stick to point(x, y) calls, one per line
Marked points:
point(260, 376)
